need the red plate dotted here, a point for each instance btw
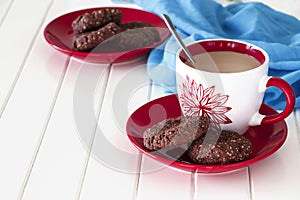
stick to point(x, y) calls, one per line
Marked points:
point(59, 34)
point(266, 139)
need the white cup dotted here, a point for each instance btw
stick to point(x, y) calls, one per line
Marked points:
point(230, 99)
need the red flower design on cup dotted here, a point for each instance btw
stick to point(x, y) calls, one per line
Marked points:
point(199, 101)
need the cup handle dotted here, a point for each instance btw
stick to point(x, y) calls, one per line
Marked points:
point(290, 100)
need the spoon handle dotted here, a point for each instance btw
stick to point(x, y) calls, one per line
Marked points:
point(171, 27)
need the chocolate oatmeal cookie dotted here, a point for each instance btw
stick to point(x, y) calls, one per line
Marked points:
point(230, 148)
point(95, 30)
point(89, 40)
point(96, 19)
point(173, 132)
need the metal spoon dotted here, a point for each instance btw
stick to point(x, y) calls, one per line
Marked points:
point(172, 29)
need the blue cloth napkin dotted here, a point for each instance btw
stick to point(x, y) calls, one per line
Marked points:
point(275, 32)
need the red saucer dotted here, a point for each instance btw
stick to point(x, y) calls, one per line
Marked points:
point(266, 139)
point(59, 34)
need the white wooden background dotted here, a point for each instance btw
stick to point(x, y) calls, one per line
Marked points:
point(43, 152)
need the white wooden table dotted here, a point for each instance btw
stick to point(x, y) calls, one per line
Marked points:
point(48, 144)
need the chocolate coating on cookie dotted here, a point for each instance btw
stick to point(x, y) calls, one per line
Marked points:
point(174, 132)
point(96, 19)
point(138, 38)
point(134, 25)
point(134, 35)
point(88, 41)
point(230, 148)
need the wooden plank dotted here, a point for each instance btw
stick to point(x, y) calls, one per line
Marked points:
point(24, 73)
point(5, 6)
point(61, 159)
point(114, 162)
point(63, 148)
point(26, 115)
point(162, 182)
point(30, 81)
point(231, 185)
point(278, 177)
point(17, 47)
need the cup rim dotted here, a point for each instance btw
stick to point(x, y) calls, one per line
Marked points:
point(264, 60)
